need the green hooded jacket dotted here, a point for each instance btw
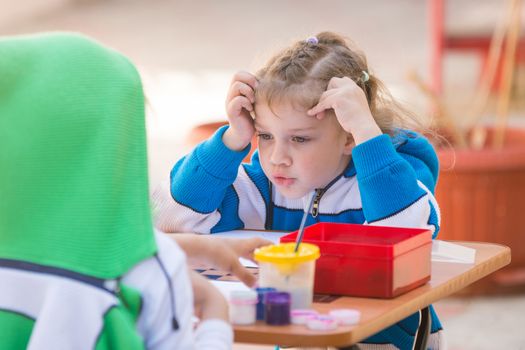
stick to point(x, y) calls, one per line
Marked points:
point(73, 179)
point(73, 164)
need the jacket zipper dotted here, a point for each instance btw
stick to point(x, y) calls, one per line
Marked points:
point(319, 192)
point(315, 206)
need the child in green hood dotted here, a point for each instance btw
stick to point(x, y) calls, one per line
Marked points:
point(80, 264)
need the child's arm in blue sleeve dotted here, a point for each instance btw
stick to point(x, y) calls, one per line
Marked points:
point(397, 186)
point(200, 179)
point(208, 191)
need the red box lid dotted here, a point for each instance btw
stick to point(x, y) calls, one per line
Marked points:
point(366, 241)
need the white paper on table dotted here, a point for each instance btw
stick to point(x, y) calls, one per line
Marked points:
point(450, 252)
point(247, 263)
point(272, 236)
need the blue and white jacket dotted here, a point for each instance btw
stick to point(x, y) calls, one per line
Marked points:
point(390, 181)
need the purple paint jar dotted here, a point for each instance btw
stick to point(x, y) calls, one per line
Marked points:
point(260, 300)
point(277, 308)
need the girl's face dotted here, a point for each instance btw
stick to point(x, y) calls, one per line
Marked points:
point(300, 153)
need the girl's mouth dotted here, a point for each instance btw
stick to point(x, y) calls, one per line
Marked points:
point(283, 181)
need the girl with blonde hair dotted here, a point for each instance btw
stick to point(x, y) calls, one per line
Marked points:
point(327, 128)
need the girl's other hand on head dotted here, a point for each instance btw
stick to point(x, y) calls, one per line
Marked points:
point(239, 105)
point(351, 108)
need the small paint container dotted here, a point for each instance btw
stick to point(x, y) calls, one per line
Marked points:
point(321, 323)
point(260, 300)
point(346, 317)
point(287, 270)
point(300, 316)
point(277, 308)
point(243, 307)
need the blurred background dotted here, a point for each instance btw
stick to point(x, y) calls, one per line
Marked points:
point(440, 57)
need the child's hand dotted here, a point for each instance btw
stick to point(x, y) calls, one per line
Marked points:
point(220, 252)
point(239, 104)
point(208, 301)
point(351, 109)
point(240, 247)
point(225, 252)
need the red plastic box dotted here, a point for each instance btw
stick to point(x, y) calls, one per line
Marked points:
point(368, 261)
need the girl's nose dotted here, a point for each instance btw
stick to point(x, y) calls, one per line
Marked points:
point(280, 155)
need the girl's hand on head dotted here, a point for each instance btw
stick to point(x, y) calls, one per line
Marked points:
point(351, 109)
point(239, 105)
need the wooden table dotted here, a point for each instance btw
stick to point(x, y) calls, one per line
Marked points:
point(377, 314)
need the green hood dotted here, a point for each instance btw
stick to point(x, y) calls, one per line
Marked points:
point(73, 166)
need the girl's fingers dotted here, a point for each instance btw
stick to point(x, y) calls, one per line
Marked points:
point(336, 82)
point(245, 77)
point(238, 103)
point(246, 90)
point(317, 109)
point(325, 102)
point(335, 89)
point(240, 88)
point(246, 104)
point(329, 95)
point(320, 115)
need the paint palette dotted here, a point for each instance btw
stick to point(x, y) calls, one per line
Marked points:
point(218, 275)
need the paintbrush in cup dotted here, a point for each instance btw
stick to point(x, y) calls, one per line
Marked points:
point(303, 222)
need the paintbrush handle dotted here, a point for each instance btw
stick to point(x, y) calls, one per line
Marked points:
point(299, 238)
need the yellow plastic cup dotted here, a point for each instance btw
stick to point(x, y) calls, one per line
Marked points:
point(282, 268)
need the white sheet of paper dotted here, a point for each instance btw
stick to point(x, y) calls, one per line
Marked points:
point(450, 252)
point(269, 235)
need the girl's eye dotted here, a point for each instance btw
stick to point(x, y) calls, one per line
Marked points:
point(263, 136)
point(299, 139)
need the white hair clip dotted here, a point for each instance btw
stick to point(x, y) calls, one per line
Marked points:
point(365, 76)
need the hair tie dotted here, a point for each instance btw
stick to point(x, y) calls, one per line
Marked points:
point(365, 76)
point(312, 40)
